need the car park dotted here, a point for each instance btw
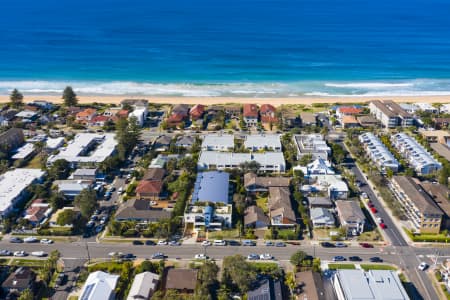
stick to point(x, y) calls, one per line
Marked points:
point(158, 255)
point(339, 258)
point(423, 266)
point(354, 258)
point(30, 239)
point(15, 240)
point(20, 253)
point(201, 256)
point(253, 256)
point(375, 259)
point(280, 244)
point(46, 241)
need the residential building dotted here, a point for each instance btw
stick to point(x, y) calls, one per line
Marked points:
point(154, 174)
point(85, 116)
point(441, 196)
point(290, 119)
point(250, 114)
point(99, 285)
point(409, 108)
point(367, 121)
point(370, 285)
point(334, 185)
point(53, 221)
point(317, 167)
point(309, 286)
point(263, 142)
point(38, 212)
point(13, 187)
point(323, 202)
point(417, 157)
point(134, 102)
point(426, 107)
point(351, 216)
point(436, 136)
point(162, 143)
point(390, 114)
point(308, 119)
point(313, 144)
point(322, 218)
point(281, 213)
point(197, 111)
point(25, 152)
point(182, 280)
point(268, 114)
point(85, 174)
point(211, 204)
point(18, 281)
point(144, 284)
point(99, 121)
point(185, 141)
point(441, 123)
point(51, 144)
point(254, 183)
point(349, 122)
point(179, 114)
point(266, 289)
point(378, 152)
point(86, 149)
point(343, 111)
point(7, 117)
point(232, 112)
point(445, 108)
point(27, 116)
point(13, 137)
point(140, 114)
point(424, 215)
point(441, 150)
point(218, 142)
point(254, 217)
point(140, 211)
point(71, 187)
point(149, 189)
point(42, 104)
point(268, 161)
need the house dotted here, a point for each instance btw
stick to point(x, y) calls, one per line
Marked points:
point(144, 284)
point(323, 202)
point(51, 144)
point(268, 114)
point(335, 186)
point(416, 155)
point(99, 285)
point(84, 174)
point(367, 121)
point(178, 115)
point(309, 286)
point(426, 107)
point(13, 187)
point(134, 103)
point(18, 281)
point(441, 123)
point(25, 152)
point(140, 114)
point(343, 111)
point(42, 104)
point(349, 122)
point(182, 280)
point(71, 187)
point(266, 289)
point(254, 183)
point(185, 141)
point(290, 119)
point(373, 284)
point(317, 167)
point(53, 222)
point(378, 152)
point(73, 110)
point(218, 142)
point(313, 144)
point(27, 116)
point(267, 161)
point(441, 196)
point(390, 114)
point(232, 112)
point(441, 150)
point(280, 210)
point(210, 206)
point(197, 111)
point(85, 116)
point(13, 137)
point(436, 136)
point(250, 114)
point(37, 212)
point(420, 209)
point(162, 143)
point(98, 121)
point(140, 211)
point(263, 142)
point(7, 116)
point(351, 216)
point(254, 217)
point(154, 174)
point(308, 119)
point(149, 189)
point(321, 218)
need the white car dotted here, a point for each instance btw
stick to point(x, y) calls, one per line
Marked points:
point(266, 256)
point(117, 254)
point(20, 253)
point(219, 243)
point(38, 253)
point(162, 243)
point(206, 243)
point(30, 239)
point(201, 256)
point(46, 241)
point(423, 266)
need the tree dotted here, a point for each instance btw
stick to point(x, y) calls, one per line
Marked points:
point(59, 169)
point(250, 166)
point(16, 98)
point(66, 217)
point(238, 272)
point(305, 159)
point(57, 200)
point(86, 201)
point(26, 295)
point(298, 257)
point(207, 281)
point(127, 134)
point(69, 96)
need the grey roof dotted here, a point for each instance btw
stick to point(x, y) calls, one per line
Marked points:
point(261, 141)
point(441, 149)
point(185, 141)
point(181, 279)
point(211, 187)
point(143, 285)
point(235, 159)
point(140, 210)
point(255, 214)
point(85, 172)
point(349, 211)
point(319, 201)
point(321, 214)
point(218, 141)
point(266, 289)
point(371, 285)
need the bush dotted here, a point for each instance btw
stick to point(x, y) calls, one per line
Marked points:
point(130, 233)
point(287, 234)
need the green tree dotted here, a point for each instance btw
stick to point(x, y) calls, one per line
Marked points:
point(69, 96)
point(298, 257)
point(86, 201)
point(305, 159)
point(16, 98)
point(207, 281)
point(57, 200)
point(237, 272)
point(60, 169)
point(66, 217)
point(26, 295)
point(127, 134)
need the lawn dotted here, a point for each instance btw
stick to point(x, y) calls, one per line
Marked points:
point(370, 236)
point(341, 266)
point(224, 234)
point(35, 163)
point(28, 262)
point(367, 267)
point(430, 238)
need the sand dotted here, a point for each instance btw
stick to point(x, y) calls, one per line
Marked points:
point(221, 100)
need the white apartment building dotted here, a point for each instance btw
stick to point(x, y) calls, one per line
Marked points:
point(378, 153)
point(268, 161)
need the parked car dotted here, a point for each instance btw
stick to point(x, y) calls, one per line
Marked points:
point(248, 243)
point(20, 253)
point(339, 258)
point(15, 240)
point(340, 245)
point(162, 243)
point(38, 253)
point(280, 244)
point(158, 255)
point(60, 279)
point(120, 191)
point(375, 259)
point(366, 245)
point(174, 243)
point(269, 244)
point(373, 209)
point(206, 243)
point(370, 204)
point(46, 241)
point(423, 266)
point(129, 256)
point(138, 243)
point(201, 256)
point(253, 256)
point(354, 258)
point(5, 253)
point(30, 239)
point(219, 243)
point(327, 245)
point(383, 226)
point(150, 243)
point(266, 256)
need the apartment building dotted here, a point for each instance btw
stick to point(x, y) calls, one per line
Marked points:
point(390, 114)
point(267, 161)
point(424, 215)
point(417, 157)
point(313, 144)
point(378, 153)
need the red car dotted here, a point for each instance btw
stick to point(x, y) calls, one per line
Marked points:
point(366, 245)
point(383, 226)
point(373, 209)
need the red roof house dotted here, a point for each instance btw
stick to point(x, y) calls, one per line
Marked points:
point(250, 114)
point(149, 189)
point(197, 111)
point(268, 113)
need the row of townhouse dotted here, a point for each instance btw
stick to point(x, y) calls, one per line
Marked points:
point(378, 152)
point(390, 114)
point(256, 142)
point(419, 158)
point(313, 144)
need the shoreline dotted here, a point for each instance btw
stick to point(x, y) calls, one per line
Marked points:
point(114, 99)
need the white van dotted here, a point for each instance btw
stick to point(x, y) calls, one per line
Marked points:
point(219, 243)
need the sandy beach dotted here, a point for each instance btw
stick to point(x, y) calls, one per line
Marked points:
point(222, 100)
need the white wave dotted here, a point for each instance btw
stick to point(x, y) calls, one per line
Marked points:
point(321, 94)
point(368, 85)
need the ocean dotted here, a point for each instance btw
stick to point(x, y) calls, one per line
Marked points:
point(250, 48)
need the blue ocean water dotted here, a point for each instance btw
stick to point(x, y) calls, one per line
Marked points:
point(263, 48)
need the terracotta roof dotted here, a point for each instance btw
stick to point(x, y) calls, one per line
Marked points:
point(269, 119)
point(349, 110)
point(99, 119)
point(176, 118)
point(147, 186)
point(267, 108)
point(87, 112)
point(349, 120)
point(181, 279)
point(250, 110)
point(123, 113)
point(197, 111)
